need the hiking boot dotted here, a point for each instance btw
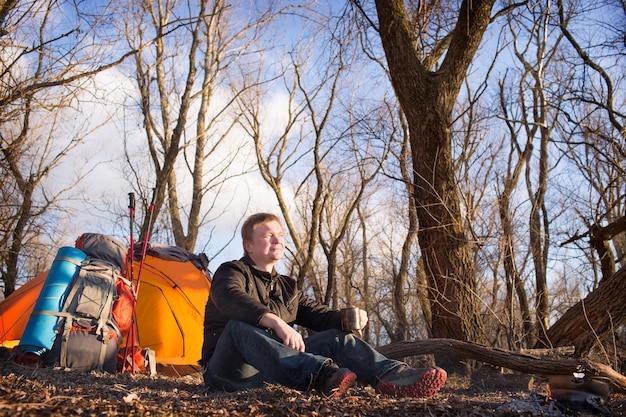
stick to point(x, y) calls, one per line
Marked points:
point(403, 381)
point(333, 381)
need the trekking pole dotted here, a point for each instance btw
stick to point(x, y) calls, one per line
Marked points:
point(130, 338)
point(131, 244)
point(141, 261)
point(146, 237)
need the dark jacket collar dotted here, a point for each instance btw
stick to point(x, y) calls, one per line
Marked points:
point(267, 276)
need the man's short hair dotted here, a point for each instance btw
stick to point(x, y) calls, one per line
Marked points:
point(253, 221)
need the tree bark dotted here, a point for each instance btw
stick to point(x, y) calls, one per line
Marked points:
point(593, 319)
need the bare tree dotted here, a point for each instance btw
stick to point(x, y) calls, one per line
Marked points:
point(407, 289)
point(209, 38)
point(519, 156)
point(595, 133)
point(275, 158)
point(46, 64)
point(401, 276)
point(322, 159)
point(340, 204)
point(427, 84)
point(538, 100)
point(594, 138)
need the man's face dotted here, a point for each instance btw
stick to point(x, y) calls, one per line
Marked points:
point(267, 245)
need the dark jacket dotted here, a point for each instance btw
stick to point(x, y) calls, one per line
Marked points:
point(239, 291)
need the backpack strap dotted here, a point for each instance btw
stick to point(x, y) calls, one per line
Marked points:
point(67, 319)
point(104, 318)
point(103, 347)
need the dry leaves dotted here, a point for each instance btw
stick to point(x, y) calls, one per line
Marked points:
point(47, 392)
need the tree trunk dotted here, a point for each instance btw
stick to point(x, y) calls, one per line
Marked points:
point(593, 319)
point(427, 99)
point(26, 187)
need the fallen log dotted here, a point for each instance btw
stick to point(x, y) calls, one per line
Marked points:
point(520, 362)
point(558, 352)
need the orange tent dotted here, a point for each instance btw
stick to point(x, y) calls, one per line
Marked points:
point(169, 313)
point(16, 308)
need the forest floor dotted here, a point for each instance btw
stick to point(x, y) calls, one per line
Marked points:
point(26, 391)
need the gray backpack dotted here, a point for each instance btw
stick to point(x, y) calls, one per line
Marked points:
point(87, 335)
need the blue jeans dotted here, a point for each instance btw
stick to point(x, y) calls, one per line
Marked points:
point(247, 356)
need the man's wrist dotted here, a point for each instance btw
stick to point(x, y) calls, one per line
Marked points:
point(268, 320)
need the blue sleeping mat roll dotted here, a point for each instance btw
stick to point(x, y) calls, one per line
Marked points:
point(39, 333)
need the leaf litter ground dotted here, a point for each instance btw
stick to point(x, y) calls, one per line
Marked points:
point(28, 391)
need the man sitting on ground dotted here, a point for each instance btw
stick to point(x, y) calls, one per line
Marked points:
point(249, 338)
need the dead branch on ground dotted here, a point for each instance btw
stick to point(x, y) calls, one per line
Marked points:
point(527, 363)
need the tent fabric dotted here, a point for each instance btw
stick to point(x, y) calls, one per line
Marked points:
point(16, 308)
point(169, 312)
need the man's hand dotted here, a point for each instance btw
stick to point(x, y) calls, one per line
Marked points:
point(289, 336)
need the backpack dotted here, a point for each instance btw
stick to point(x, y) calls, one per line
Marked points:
point(87, 336)
point(103, 247)
point(106, 248)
